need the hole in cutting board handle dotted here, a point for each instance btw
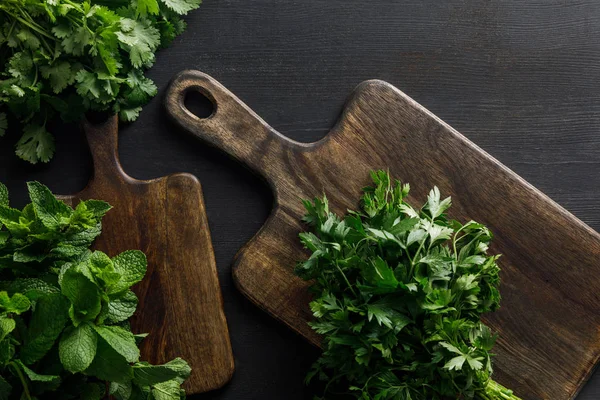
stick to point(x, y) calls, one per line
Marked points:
point(199, 104)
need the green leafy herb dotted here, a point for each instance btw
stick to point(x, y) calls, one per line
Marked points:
point(398, 297)
point(64, 309)
point(65, 57)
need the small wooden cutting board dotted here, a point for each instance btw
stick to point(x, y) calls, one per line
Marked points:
point(181, 306)
point(549, 323)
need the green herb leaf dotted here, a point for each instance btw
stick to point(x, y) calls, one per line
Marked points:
point(102, 49)
point(53, 213)
point(122, 341)
point(398, 296)
point(77, 347)
point(148, 375)
point(47, 322)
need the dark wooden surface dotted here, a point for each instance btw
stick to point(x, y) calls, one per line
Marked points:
point(548, 324)
point(180, 302)
point(518, 77)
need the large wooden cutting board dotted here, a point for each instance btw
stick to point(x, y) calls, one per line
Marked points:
point(549, 323)
point(181, 306)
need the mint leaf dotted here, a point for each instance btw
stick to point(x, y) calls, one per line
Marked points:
point(33, 288)
point(122, 341)
point(131, 265)
point(35, 377)
point(16, 304)
point(169, 390)
point(83, 294)
point(7, 325)
point(77, 347)
point(52, 212)
point(5, 389)
point(109, 365)
point(120, 391)
point(94, 391)
point(121, 308)
point(148, 375)
point(47, 322)
point(97, 208)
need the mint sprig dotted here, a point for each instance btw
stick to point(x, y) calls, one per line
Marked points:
point(398, 297)
point(64, 309)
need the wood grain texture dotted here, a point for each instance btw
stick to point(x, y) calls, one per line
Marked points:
point(180, 302)
point(548, 324)
point(521, 78)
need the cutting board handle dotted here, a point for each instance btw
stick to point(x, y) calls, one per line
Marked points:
point(103, 141)
point(232, 127)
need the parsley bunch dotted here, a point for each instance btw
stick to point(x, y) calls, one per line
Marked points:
point(64, 309)
point(65, 57)
point(398, 298)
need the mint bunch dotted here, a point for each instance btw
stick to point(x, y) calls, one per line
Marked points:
point(64, 309)
point(62, 58)
point(398, 297)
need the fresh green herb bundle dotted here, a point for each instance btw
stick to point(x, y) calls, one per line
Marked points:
point(64, 309)
point(65, 57)
point(398, 298)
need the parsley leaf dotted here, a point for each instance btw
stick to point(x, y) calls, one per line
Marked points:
point(398, 296)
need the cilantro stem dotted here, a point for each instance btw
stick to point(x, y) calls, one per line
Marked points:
point(30, 25)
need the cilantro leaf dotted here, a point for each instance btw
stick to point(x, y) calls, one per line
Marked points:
point(36, 144)
point(59, 74)
point(182, 6)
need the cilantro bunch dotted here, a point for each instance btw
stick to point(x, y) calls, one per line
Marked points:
point(65, 57)
point(64, 309)
point(398, 298)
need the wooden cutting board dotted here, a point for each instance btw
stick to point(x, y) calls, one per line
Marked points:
point(181, 306)
point(549, 322)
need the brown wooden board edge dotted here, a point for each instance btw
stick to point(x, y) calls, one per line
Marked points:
point(355, 93)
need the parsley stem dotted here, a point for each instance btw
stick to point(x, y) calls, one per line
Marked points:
point(345, 278)
point(495, 391)
point(414, 259)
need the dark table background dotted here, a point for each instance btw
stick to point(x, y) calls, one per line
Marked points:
point(520, 78)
